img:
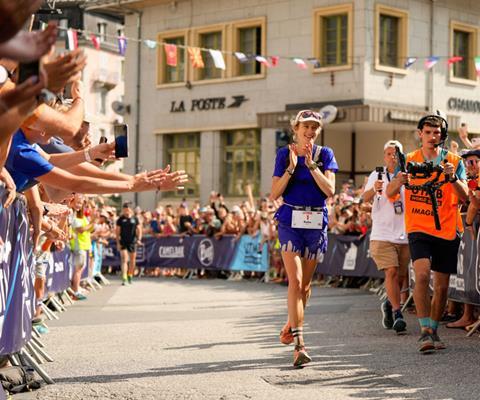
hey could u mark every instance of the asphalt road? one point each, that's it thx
(213, 339)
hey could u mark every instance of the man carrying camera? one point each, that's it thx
(433, 242)
(388, 241)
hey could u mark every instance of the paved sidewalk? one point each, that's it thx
(213, 339)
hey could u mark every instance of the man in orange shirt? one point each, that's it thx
(431, 248)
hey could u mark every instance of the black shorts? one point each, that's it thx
(130, 247)
(442, 253)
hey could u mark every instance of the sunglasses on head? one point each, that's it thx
(309, 114)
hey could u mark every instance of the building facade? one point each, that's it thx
(103, 76)
(224, 126)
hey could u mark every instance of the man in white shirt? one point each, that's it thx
(388, 240)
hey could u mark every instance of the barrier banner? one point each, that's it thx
(193, 252)
(348, 256)
(58, 271)
(465, 286)
(6, 234)
(17, 324)
(248, 257)
(111, 256)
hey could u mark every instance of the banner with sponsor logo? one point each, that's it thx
(59, 271)
(194, 252)
(348, 256)
(19, 301)
(250, 255)
(465, 286)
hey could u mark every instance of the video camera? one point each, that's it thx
(423, 170)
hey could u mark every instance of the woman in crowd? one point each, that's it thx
(304, 176)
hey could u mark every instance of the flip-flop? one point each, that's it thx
(458, 327)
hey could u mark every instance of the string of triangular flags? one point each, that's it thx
(196, 58)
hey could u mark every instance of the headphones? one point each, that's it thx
(443, 127)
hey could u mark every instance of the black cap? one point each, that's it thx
(127, 204)
(471, 153)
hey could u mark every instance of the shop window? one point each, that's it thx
(241, 162)
(183, 153)
(391, 31)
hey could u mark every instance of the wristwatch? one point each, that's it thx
(290, 172)
(312, 166)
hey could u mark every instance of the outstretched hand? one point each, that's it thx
(64, 69)
(29, 46)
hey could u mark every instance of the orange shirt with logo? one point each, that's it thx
(418, 205)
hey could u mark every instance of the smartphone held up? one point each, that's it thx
(121, 140)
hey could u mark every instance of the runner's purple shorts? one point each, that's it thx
(309, 243)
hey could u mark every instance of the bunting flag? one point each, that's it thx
(300, 63)
(314, 62)
(274, 60)
(151, 44)
(72, 39)
(95, 41)
(410, 61)
(217, 59)
(196, 57)
(477, 65)
(453, 60)
(171, 54)
(122, 45)
(262, 60)
(431, 61)
(241, 57)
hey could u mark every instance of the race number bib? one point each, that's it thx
(307, 219)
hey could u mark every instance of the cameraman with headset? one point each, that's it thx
(433, 246)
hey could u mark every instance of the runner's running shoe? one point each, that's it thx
(387, 315)
(130, 280)
(425, 343)
(286, 335)
(399, 325)
(300, 356)
(437, 342)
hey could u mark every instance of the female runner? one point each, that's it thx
(305, 177)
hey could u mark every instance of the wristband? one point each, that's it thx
(290, 172)
(87, 155)
(312, 166)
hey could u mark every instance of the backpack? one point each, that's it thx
(18, 379)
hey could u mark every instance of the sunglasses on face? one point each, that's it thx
(472, 162)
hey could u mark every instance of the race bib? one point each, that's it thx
(307, 219)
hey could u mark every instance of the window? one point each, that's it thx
(176, 74)
(210, 40)
(102, 31)
(63, 25)
(388, 40)
(391, 37)
(103, 101)
(463, 44)
(249, 39)
(245, 36)
(333, 40)
(242, 161)
(168, 74)
(183, 153)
